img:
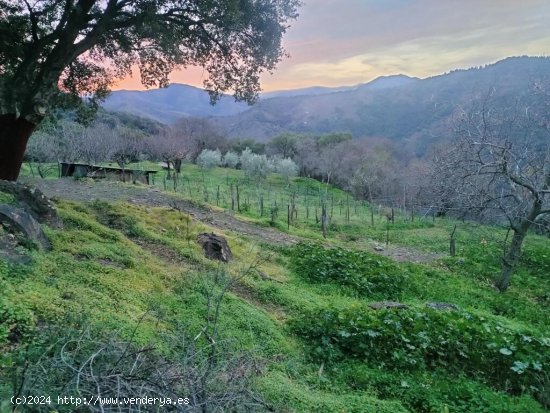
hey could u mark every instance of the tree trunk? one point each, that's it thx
(14, 135)
(511, 259)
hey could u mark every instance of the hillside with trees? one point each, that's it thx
(378, 248)
(416, 114)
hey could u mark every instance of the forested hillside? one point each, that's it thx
(416, 113)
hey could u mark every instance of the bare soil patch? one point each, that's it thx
(85, 191)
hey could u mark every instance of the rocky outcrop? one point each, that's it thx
(18, 220)
(33, 201)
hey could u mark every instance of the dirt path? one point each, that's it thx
(406, 254)
(71, 189)
(113, 191)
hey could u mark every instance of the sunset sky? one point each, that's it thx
(345, 42)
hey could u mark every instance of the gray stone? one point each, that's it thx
(33, 201)
(17, 219)
(215, 247)
(442, 306)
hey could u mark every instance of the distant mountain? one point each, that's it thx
(413, 111)
(171, 103)
(307, 91)
(388, 82)
(382, 82)
(179, 100)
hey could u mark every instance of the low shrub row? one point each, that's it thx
(428, 339)
(369, 274)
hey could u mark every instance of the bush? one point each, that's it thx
(255, 166)
(16, 323)
(208, 159)
(366, 273)
(230, 160)
(426, 339)
(76, 360)
(431, 392)
(286, 167)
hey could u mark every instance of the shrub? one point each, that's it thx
(426, 339)
(255, 166)
(78, 360)
(432, 391)
(367, 273)
(286, 167)
(208, 159)
(16, 323)
(230, 160)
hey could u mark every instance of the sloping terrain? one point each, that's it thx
(295, 328)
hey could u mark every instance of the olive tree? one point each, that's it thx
(230, 159)
(208, 159)
(52, 52)
(498, 167)
(286, 167)
(255, 166)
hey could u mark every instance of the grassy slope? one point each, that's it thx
(113, 263)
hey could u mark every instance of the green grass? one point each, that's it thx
(119, 265)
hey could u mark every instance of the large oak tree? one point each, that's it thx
(52, 52)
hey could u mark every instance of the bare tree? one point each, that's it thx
(95, 144)
(170, 148)
(127, 147)
(499, 168)
(200, 134)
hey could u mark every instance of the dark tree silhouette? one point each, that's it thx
(52, 52)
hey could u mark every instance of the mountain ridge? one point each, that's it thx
(405, 109)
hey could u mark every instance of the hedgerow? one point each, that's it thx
(366, 273)
(426, 340)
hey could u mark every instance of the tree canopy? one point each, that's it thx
(82, 46)
(54, 52)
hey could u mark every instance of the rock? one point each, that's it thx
(34, 201)
(442, 306)
(19, 220)
(378, 248)
(215, 247)
(10, 253)
(387, 304)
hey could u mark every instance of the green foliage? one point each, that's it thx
(208, 159)
(113, 262)
(431, 391)
(16, 321)
(366, 273)
(6, 198)
(285, 393)
(426, 339)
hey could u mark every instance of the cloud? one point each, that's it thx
(336, 42)
(419, 38)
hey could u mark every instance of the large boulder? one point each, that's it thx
(215, 247)
(18, 220)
